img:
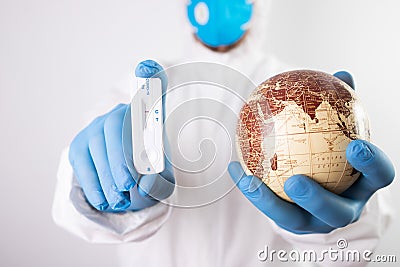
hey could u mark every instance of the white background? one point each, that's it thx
(57, 58)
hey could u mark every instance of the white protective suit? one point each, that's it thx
(229, 231)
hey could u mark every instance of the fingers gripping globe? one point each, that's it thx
(300, 122)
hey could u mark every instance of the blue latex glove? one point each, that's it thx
(317, 210)
(97, 157)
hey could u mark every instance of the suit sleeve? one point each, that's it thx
(71, 211)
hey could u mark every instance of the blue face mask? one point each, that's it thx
(219, 22)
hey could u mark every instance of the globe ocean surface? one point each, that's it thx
(300, 122)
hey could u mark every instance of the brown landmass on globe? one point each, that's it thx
(308, 90)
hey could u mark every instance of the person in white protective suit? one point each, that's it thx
(195, 212)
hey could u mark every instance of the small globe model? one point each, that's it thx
(300, 122)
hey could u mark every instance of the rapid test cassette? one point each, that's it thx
(147, 126)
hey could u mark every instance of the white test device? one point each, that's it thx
(147, 126)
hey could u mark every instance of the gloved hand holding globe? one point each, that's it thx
(298, 133)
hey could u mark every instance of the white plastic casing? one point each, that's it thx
(147, 126)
